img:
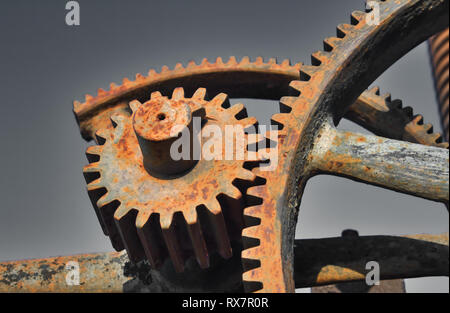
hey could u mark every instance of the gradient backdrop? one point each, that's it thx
(45, 65)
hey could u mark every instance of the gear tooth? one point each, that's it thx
(113, 86)
(106, 216)
(272, 61)
(233, 192)
(418, 120)
(222, 99)
(200, 94)
(255, 191)
(248, 121)
(76, 105)
(375, 90)
(344, 29)
(252, 280)
(356, 17)
(205, 62)
(127, 230)
(166, 220)
(329, 44)
(155, 94)
(298, 84)
(280, 119)
(218, 223)
(101, 136)
(408, 111)
(126, 81)
(236, 109)
(232, 61)
(93, 153)
(387, 97)
(288, 101)
(307, 71)
(245, 61)
(105, 199)
(149, 230)
(252, 233)
(428, 128)
(191, 64)
(88, 98)
(286, 63)
(139, 77)
(219, 61)
(246, 175)
(318, 57)
(95, 185)
(165, 69)
(213, 206)
(197, 239)
(134, 105)
(298, 66)
(178, 93)
(178, 66)
(152, 73)
(116, 118)
(253, 212)
(173, 246)
(91, 168)
(259, 60)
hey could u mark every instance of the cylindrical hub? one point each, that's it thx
(158, 123)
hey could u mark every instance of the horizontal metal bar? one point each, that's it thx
(343, 259)
(398, 165)
(317, 262)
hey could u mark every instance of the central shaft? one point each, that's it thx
(158, 123)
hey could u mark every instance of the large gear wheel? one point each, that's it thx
(326, 89)
(156, 207)
(331, 88)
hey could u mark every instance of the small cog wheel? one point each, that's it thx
(158, 208)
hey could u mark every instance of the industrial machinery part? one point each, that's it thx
(330, 260)
(439, 58)
(308, 144)
(349, 63)
(155, 206)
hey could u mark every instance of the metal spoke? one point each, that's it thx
(401, 166)
(344, 259)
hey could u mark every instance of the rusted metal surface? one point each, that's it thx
(338, 75)
(238, 79)
(397, 165)
(388, 118)
(158, 216)
(247, 79)
(102, 272)
(439, 50)
(330, 260)
(344, 259)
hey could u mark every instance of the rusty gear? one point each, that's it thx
(326, 89)
(153, 214)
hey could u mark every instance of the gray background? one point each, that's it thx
(45, 65)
